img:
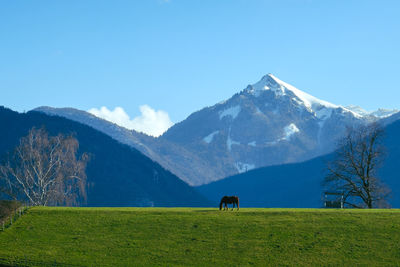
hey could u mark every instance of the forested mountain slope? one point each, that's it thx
(118, 175)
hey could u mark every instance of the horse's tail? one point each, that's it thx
(237, 199)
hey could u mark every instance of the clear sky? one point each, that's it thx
(181, 55)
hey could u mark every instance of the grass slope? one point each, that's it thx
(202, 237)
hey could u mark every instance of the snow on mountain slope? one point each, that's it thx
(268, 123)
(270, 82)
(208, 139)
(380, 113)
(384, 113)
(290, 130)
(233, 112)
(322, 109)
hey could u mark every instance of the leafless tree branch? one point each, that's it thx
(45, 170)
(353, 172)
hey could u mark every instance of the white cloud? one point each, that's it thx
(151, 122)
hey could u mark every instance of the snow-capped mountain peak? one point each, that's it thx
(281, 88)
(321, 108)
(268, 123)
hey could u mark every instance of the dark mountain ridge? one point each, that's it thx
(299, 185)
(118, 175)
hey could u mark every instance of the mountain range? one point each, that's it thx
(268, 143)
(117, 174)
(299, 185)
(268, 123)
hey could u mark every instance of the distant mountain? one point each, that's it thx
(118, 175)
(380, 113)
(268, 123)
(173, 157)
(299, 185)
(121, 134)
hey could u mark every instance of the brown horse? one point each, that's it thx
(229, 200)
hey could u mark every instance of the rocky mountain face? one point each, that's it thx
(268, 123)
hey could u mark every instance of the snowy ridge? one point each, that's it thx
(270, 82)
(308, 100)
(380, 113)
(322, 109)
(384, 113)
(357, 109)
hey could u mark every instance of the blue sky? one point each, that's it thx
(179, 55)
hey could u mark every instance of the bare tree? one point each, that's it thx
(353, 172)
(45, 170)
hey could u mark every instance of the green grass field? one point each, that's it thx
(202, 237)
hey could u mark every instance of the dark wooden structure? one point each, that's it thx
(334, 200)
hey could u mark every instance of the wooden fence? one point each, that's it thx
(9, 220)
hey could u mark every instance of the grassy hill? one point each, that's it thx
(201, 237)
